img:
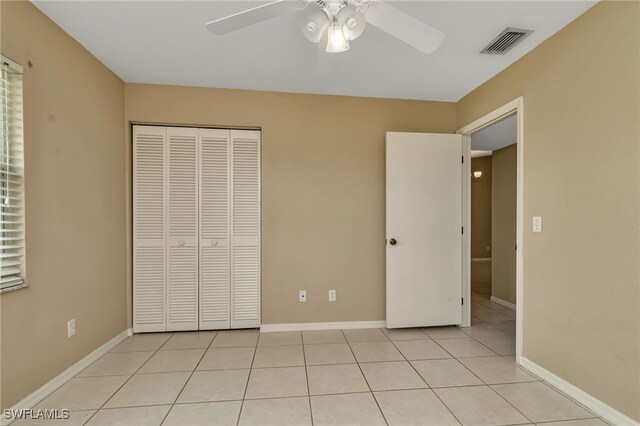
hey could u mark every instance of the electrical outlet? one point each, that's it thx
(71, 327)
(302, 296)
(537, 224)
(332, 295)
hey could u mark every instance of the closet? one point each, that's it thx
(196, 228)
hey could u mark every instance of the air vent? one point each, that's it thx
(505, 41)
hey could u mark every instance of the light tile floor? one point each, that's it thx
(430, 376)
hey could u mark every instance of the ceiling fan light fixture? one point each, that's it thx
(336, 41)
(314, 25)
(352, 23)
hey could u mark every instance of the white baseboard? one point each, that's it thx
(308, 326)
(47, 389)
(481, 259)
(601, 409)
(503, 302)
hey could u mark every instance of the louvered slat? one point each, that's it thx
(214, 183)
(246, 286)
(182, 217)
(182, 182)
(214, 288)
(245, 228)
(215, 280)
(149, 183)
(182, 312)
(149, 272)
(149, 304)
(246, 186)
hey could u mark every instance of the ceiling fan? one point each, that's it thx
(343, 20)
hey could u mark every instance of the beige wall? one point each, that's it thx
(74, 148)
(581, 93)
(323, 188)
(503, 223)
(481, 208)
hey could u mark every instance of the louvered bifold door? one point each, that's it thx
(245, 228)
(215, 275)
(182, 225)
(149, 236)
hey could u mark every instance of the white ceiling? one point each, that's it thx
(165, 42)
(498, 135)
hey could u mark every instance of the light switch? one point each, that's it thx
(537, 224)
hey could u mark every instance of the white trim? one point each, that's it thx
(589, 401)
(481, 259)
(480, 154)
(12, 65)
(515, 106)
(308, 326)
(48, 388)
(503, 302)
(466, 226)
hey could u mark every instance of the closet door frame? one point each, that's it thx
(230, 323)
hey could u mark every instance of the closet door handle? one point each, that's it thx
(214, 243)
(181, 243)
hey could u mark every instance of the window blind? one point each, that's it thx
(12, 219)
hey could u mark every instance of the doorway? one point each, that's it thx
(492, 264)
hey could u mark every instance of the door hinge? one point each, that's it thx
(463, 159)
(516, 247)
(462, 230)
(463, 301)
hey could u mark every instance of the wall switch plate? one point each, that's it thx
(537, 224)
(302, 296)
(332, 295)
(71, 327)
(488, 248)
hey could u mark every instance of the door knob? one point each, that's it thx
(181, 243)
(393, 242)
(214, 243)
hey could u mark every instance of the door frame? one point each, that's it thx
(515, 106)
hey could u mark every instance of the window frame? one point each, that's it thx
(8, 146)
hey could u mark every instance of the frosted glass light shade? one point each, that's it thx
(336, 42)
(314, 25)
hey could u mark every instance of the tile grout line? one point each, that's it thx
(189, 378)
(483, 383)
(246, 386)
(160, 350)
(306, 375)
(489, 386)
(126, 381)
(423, 379)
(537, 379)
(364, 376)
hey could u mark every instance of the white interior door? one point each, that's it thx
(423, 229)
(182, 219)
(149, 237)
(215, 275)
(245, 228)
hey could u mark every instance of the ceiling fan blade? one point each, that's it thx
(404, 27)
(251, 16)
